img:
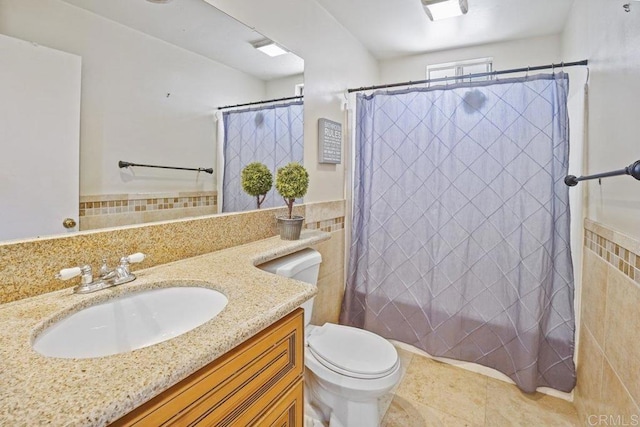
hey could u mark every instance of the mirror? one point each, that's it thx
(153, 74)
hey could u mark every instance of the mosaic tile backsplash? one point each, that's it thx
(333, 224)
(623, 259)
(112, 204)
(116, 210)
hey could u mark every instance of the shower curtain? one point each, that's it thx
(272, 135)
(460, 238)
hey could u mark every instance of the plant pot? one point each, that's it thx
(289, 228)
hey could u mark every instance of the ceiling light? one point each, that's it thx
(442, 9)
(269, 47)
(159, 1)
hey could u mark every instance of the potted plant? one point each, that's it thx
(257, 180)
(292, 182)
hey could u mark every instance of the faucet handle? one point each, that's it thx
(123, 273)
(133, 258)
(69, 273)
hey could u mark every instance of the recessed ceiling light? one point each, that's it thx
(159, 1)
(442, 9)
(269, 47)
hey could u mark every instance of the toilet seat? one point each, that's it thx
(352, 352)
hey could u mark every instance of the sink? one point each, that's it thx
(130, 322)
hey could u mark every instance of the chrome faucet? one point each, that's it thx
(107, 277)
(105, 272)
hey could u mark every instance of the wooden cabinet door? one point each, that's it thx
(288, 411)
(238, 388)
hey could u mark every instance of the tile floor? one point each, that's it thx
(432, 393)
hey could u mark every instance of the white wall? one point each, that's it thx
(143, 100)
(512, 54)
(284, 87)
(334, 61)
(601, 31)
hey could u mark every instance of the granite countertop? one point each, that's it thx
(35, 389)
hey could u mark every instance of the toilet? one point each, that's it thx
(346, 369)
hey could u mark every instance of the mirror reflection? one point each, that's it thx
(91, 83)
(271, 135)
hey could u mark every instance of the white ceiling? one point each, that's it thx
(199, 27)
(394, 28)
(387, 28)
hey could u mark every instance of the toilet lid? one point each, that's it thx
(351, 351)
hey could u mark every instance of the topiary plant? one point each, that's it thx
(257, 180)
(292, 182)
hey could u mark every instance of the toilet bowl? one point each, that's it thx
(347, 369)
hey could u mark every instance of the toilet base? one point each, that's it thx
(339, 411)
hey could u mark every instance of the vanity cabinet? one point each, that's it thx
(257, 383)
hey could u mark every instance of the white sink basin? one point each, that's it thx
(130, 322)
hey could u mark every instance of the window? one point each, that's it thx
(461, 68)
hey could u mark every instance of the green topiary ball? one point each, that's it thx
(292, 181)
(256, 179)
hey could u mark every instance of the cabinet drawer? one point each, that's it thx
(236, 388)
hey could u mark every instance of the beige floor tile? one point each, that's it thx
(445, 388)
(582, 411)
(405, 413)
(384, 404)
(405, 361)
(508, 406)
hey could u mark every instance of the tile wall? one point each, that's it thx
(608, 387)
(329, 217)
(116, 210)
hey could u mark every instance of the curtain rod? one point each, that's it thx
(266, 101)
(123, 164)
(633, 170)
(470, 76)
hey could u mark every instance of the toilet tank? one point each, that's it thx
(303, 265)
